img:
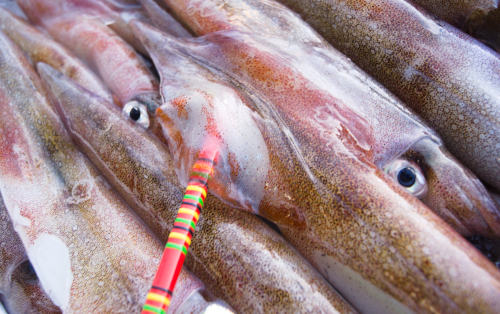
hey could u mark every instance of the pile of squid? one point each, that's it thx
(357, 166)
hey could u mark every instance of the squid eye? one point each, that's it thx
(137, 112)
(408, 176)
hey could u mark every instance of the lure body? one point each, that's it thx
(235, 254)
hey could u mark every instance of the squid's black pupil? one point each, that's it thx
(407, 177)
(135, 114)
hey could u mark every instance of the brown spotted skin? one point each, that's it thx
(353, 216)
(20, 289)
(485, 26)
(324, 83)
(116, 62)
(454, 193)
(40, 48)
(456, 12)
(51, 191)
(447, 77)
(241, 259)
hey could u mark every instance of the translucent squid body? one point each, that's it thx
(240, 258)
(89, 251)
(448, 78)
(323, 187)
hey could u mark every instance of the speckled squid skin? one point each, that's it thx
(323, 80)
(455, 193)
(119, 66)
(240, 258)
(51, 191)
(354, 219)
(40, 48)
(447, 77)
(456, 12)
(19, 286)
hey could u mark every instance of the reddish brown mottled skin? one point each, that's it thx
(322, 79)
(456, 12)
(19, 286)
(51, 191)
(240, 258)
(41, 48)
(111, 57)
(448, 184)
(356, 224)
(447, 77)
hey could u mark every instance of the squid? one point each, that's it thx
(90, 252)
(478, 18)
(20, 289)
(163, 20)
(114, 14)
(395, 138)
(457, 12)
(116, 62)
(322, 188)
(240, 258)
(447, 77)
(41, 48)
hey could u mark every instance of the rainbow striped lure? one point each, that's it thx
(160, 294)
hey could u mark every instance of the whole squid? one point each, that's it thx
(377, 244)
(240, 258)
(447, 77)
(20, 288)
(90, 252)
